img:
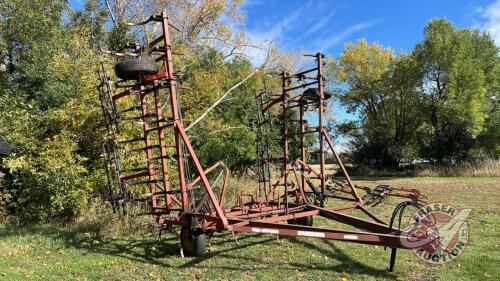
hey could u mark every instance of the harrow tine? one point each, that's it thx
(141, 139)
(143, 148)
(154, 159)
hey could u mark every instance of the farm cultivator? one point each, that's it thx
(177, 190)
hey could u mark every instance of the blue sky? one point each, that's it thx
(326, 25)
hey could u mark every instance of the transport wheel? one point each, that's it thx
(306, 221)
(193, 242)
(132, 69)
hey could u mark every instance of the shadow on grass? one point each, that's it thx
(222, 252)
(346, 263)
(149, 250)
(89, 239)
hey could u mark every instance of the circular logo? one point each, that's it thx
(437, 233)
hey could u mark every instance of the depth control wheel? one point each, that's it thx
(306, 221)
(194, 242)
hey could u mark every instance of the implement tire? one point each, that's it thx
(306, 221)
(132, 69)
(194, 243)
(312, 94)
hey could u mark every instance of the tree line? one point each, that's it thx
(438, 103)
(49, 57)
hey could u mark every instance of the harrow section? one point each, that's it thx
(156, 154)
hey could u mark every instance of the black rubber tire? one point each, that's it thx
(132, 69)
(312, 94)
(306, 221)
(4, 148)
(194, 243)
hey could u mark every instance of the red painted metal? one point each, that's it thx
(321, 88)
(149, 151)
(284, 200)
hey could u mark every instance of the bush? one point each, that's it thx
(4, 201)
(99, 221)
(47, 183)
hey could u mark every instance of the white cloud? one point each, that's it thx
(264, 37)
(294, 26)
(325, 43)
(277, 32)
(492, 15)
(318, 26)
(321, 23)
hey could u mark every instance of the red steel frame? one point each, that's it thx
(252, 216)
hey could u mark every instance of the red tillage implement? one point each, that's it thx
(177, 196)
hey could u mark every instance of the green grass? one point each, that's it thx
(56, 252)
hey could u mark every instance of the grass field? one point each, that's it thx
(56, 252)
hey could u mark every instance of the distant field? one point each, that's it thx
(54, 252)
